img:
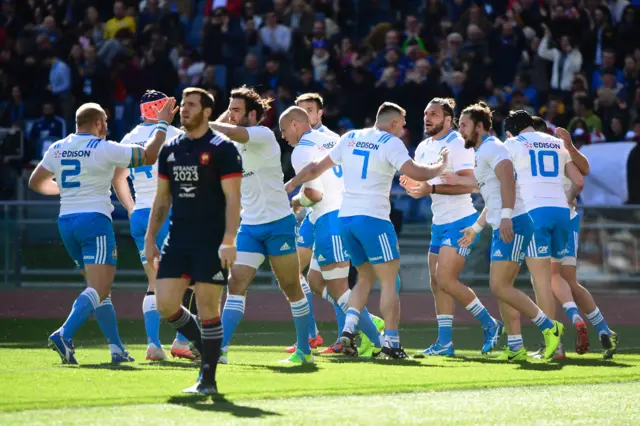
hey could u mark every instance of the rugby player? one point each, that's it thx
(564, 280)
(268, 225)
(369, 159)
(83, 166)
(512, 227)
(313, 104)
(453, 211)
(324, 196)
(144, 184)
(200, 174)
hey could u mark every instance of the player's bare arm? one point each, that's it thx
(574, 174)
(465, 179)
(238, 134)
(41, 181)
(310, 172)
(307, 197)
(467, 187)
(414, 188)
(227, 250)
(420, 172)
(159, 213)
(576, 156)
(472, 231)
(148, 154)
(505, 174)
(122, 189)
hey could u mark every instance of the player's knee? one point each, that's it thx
(444, 279)
(165, 306)
(433, 282)
(497, 288)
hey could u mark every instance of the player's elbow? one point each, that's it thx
(313, 195)
(579, 183)
(33, 183)
(149, 158)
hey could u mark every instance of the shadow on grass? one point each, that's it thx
(110, 366)
(553, 365)
(291, 369)
(380, 361)
(220, 404)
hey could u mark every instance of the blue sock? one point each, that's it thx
(515, 342)
(571, 309)
(398, 284)
(106, 317)
(445, 329)
(301, 317)
(180, 337)
(369, 328)
(392, 338)
(231, 316)
(340, 317)
(151, 319)
(478, 310)
(309, 295)
(597, 320)
(542, 321)
(82, 308)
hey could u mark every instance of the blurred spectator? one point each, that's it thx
(47, 129)
(276, 37)
(119, 21)
(567, 60)
(583, 109)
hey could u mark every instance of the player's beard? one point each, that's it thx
(193, 122)
(472, 140)
(437, 128)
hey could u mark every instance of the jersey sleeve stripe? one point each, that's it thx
(161, 176)
(137, 158)
(230, 175)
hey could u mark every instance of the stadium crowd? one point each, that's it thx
(575, 63)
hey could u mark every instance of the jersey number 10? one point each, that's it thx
(538, 166)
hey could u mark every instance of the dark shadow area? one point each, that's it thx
(291, 369)
(379, 361)
(220, 404)
(172, 364)
(550, 365)
(108, 366)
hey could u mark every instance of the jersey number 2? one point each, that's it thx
(537, 164)
(67, 173)
(365, 162)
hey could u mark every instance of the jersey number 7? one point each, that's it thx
(67, 173)
(365, 162)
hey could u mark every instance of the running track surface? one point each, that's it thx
(618, 309)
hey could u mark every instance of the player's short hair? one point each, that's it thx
(206, 98)
(480, 113)
(295, 113)
(252, 101)
(517, 121)
(89, 113)
(388, 108)
(539, 125)
(448, 105)
(311, 97)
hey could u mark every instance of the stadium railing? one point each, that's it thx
(32, 254)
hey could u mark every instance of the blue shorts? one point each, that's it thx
(305, 234)
(88, 238)
(515, 250)
(328, 248)
(571, 252)
(448, 235)
(551, 232)
(275, 238)
(369, 239)
(138, 224)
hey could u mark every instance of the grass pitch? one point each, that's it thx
(469, 389)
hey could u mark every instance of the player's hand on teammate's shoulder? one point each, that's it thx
(565, 136)
(506, 230)
(468, 238)
(168, 111)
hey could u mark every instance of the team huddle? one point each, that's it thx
(211, 206)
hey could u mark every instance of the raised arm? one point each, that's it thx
(423, 173)
(122, 189)
(238, 134)
(577, 157)
(577, 180)
(148, 154)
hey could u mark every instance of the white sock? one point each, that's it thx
(352, 319)
(343, 301)
(149, 303)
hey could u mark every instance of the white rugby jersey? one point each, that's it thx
(490, 153)
(83, 165)
(314, 146)
(369, 159)
(539, 160)
(329, 133)
(264, 199)
(448, 208)
(145, 178)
